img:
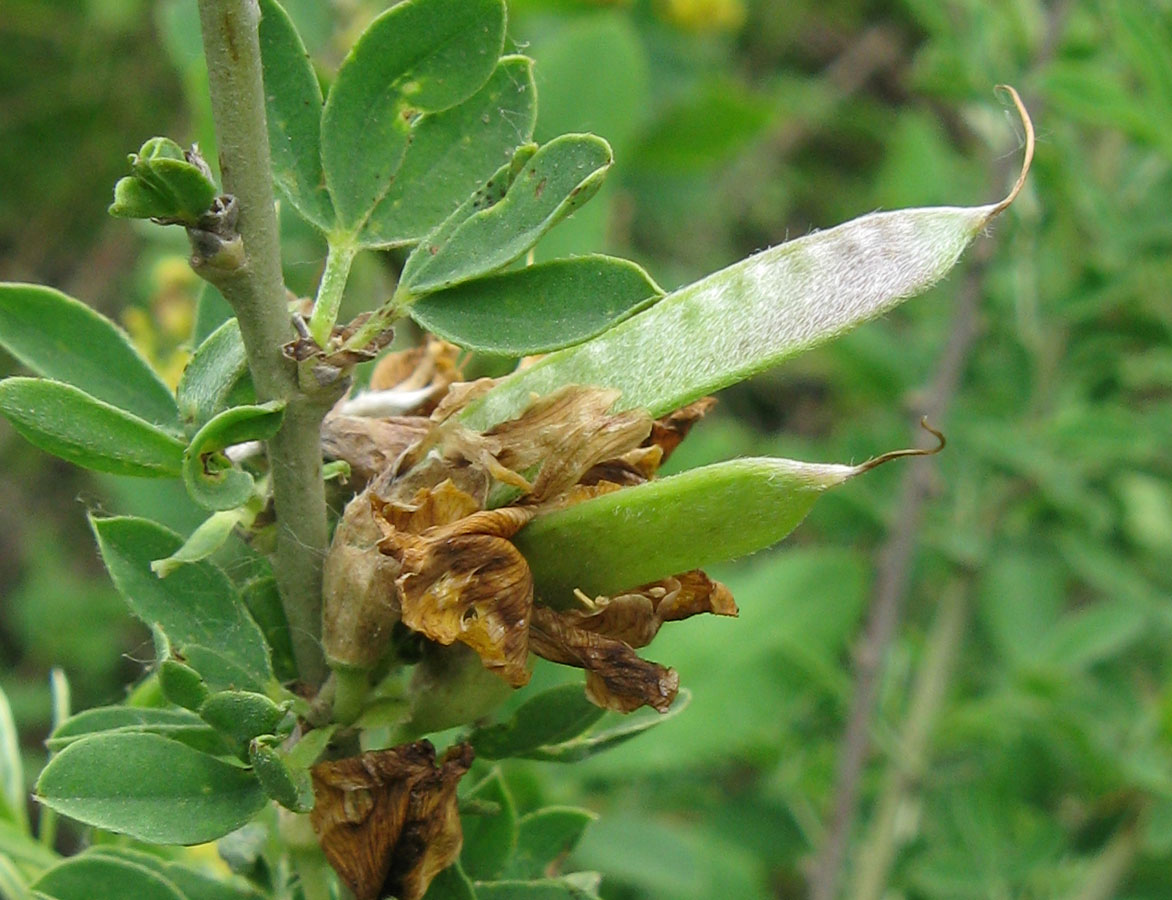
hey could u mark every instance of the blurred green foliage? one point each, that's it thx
(1023, 739)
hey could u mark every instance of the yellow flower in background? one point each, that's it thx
(162, 329)
(703, 15)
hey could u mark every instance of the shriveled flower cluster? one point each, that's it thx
(426, 542)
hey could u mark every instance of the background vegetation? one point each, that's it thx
(987, 632)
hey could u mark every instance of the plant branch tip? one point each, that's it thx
(1027, 158)
(882, 458)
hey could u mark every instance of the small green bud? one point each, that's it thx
(289, 785)
(241, 715)
(168, 184)
(182, 685)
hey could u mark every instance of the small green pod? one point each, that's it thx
(182, 685)
(641, 534)
(241, 715)
(289, 785)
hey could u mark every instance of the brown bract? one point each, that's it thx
(370, 445)
(387, 820)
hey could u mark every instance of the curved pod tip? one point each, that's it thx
(876, 461)
(1028, 156)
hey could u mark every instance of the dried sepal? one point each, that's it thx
(387, 820)
(359, 599)
(635, 617)
(370, 445)
(466, 582)
(617, 678)
(668, 432)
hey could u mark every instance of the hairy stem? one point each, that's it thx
(256, 291)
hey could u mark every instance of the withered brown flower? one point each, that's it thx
(387, 820)
(456, 576)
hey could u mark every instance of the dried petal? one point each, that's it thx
(633, 467)
(387, 820)
(441, 505)
(466, 582)
(635, 617)
(616, 677)
(568, 433)
(669, 431)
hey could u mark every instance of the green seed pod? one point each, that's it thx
(182, 685)
(241, 715)
(641, 534)
(758, 312)
(289, 785)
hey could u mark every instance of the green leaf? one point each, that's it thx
(556, 180)
(212, 480)
(209, 537)
(211, 311)
(293, 109)
(150, 788)
(264, 604)
(551, 717)
(63, 339)
(451, 884)
(12, 882)
(657, 529)
(452, 153)
(194, 885)
(419, 56)
(20, 847)
(241, 715)
(696, 133)
(1021, 596)
(752, 315)
(175, 724)
(197, 606)
(538, 308)
(221, 668)
(579, 886)
(12, 793)
(164, 185)
(1091, 635)
(489, 839)
(545, 836)
(96, 877)
(625, 728)
(64, 421)
(216, 374)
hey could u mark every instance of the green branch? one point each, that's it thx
(252, 283)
